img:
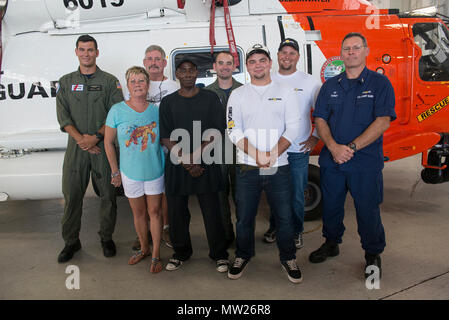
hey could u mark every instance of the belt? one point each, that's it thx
(245, 167)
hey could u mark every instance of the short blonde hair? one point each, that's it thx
(135, 71)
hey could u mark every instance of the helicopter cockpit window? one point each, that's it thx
(433, 39)
(204, 60)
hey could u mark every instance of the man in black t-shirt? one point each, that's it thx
(191, 111)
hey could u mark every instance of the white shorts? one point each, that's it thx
(136, 189)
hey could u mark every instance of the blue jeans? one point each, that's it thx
(299, 170)
(278, 189)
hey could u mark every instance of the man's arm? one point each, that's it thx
(310, 143)
(115, 93)
(341, 153)
(83, 142)
(73, 132)
(262, 158)
(278, 149)
(292, 118)
(373, 132)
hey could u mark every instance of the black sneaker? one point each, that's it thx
(109, 249)
(373, 260)
(236, 270)
(328, 249)
(293, 272)
(269, 236)
(68, 251)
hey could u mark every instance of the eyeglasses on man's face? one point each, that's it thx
(353, 48)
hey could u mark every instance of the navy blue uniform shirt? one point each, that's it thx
(349, 106)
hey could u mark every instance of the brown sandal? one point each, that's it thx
(138, 256)
(156, 265)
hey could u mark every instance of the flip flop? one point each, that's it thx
(138, 256)
(156, 265)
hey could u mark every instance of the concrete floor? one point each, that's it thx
(415, 261)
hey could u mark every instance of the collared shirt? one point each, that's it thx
(262, 114)
(222, 94)
(350, 106)
(84, 102)
(306, 88)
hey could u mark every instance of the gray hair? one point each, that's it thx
(155, 47)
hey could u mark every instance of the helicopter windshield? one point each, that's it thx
(433, 39)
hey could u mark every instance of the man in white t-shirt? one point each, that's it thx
(306, 88)
(263, 121)
(155, 63)
(160, 86)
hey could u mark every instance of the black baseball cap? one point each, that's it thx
(185, 59)
(289, 42)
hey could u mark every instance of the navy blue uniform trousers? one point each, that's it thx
(366, 189)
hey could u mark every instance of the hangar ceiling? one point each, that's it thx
(408, 5)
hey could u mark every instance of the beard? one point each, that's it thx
(286, 68)
(259, 76)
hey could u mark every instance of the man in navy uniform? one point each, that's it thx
(352, 112)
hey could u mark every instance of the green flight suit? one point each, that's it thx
(84, 102)
(227, 170)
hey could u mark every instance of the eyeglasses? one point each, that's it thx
(156, 59)
(353, 48)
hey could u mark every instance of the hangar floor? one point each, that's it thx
(415, 261)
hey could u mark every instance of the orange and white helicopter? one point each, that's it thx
(38, 39)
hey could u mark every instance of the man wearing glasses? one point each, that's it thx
(160, 86)
(352, 112)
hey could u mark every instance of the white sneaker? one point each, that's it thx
(299, 242)
(222, 265)
(173, 264)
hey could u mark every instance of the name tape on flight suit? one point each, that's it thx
(432, 110)
(95, 87)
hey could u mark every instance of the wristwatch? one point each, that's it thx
(352, 146)
(99, 136)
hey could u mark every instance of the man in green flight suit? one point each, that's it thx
(224, 67)
(82, 103)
